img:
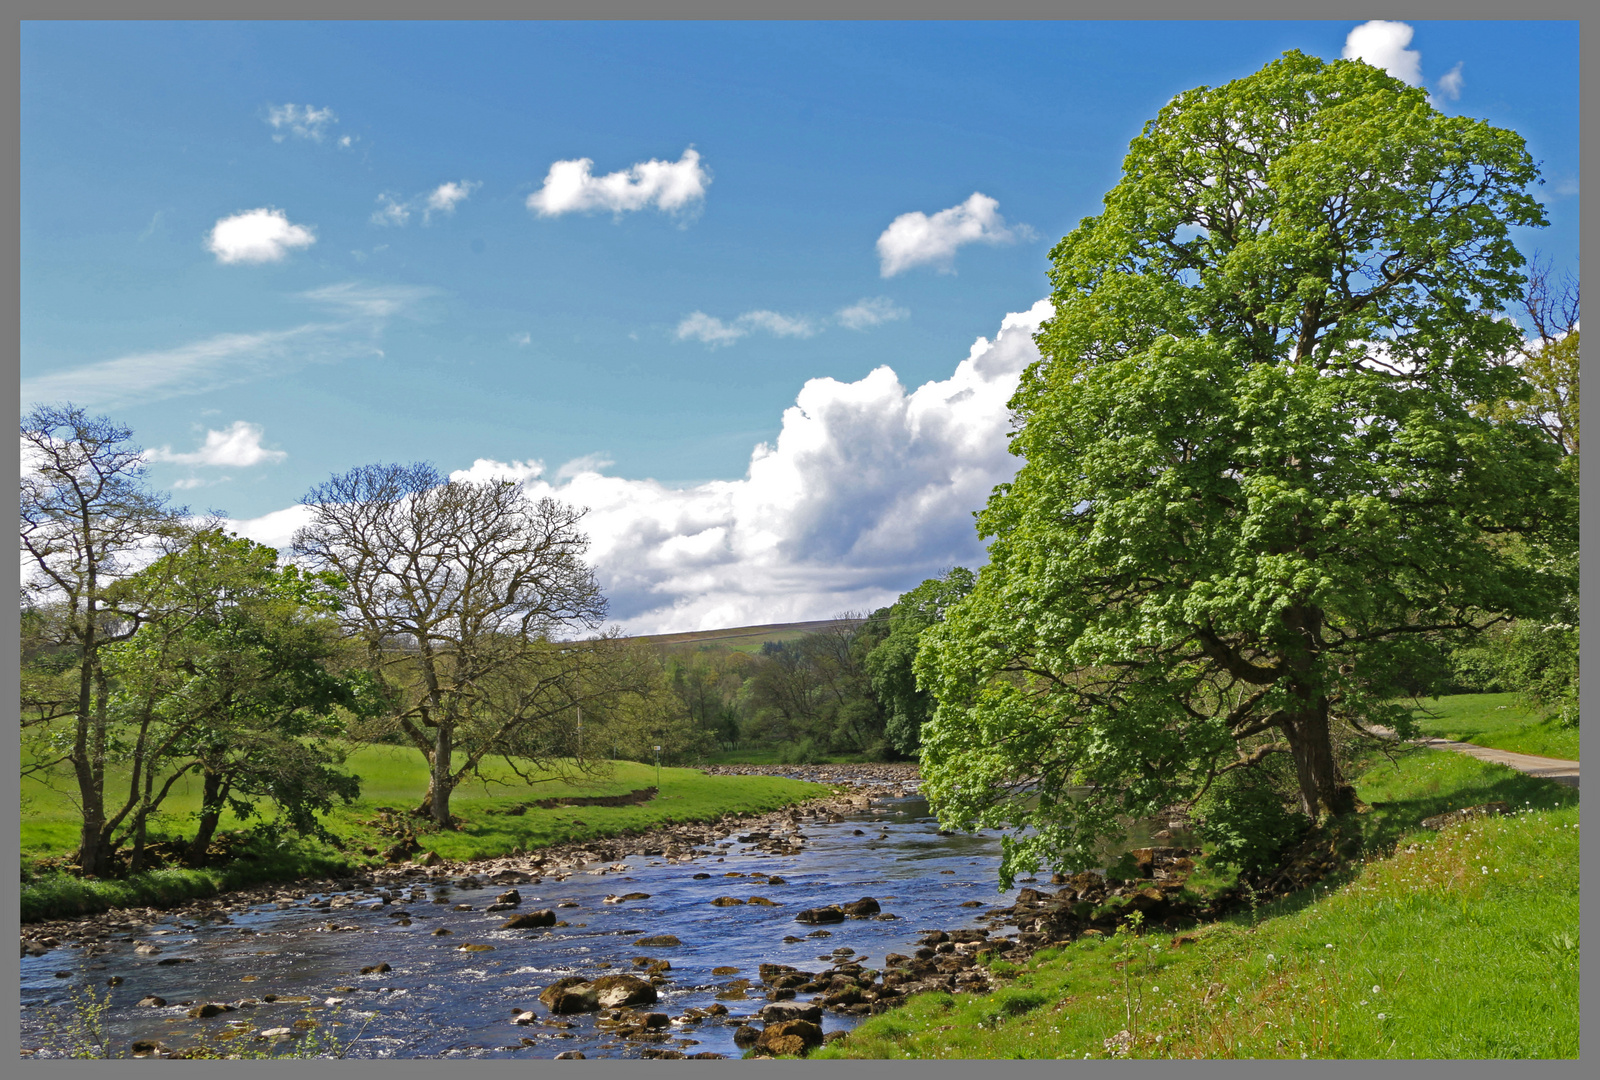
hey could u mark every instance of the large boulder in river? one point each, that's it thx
(830, 914)
(571, 995)
(862, 908)
(791, 1038)
(615, 991)
(530, 919)
(791, 1010)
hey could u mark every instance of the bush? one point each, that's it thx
(1245, 821)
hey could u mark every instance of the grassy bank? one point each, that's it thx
(1457, 944)
(396, 779)
(1498, 720)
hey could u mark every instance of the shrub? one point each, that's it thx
(1245, 821)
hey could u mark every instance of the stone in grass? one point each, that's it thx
(1487, 809)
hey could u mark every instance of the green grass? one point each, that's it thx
(396, 778)
(1458, 944)
(1501, 721)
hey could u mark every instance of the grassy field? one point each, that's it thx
(746, 639)
(1457, 944)
(1497, 720)
(395, 778)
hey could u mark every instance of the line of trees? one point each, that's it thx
(454, 617)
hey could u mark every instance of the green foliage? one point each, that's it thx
(1237, 518)
(890, 663)
(1244, 821)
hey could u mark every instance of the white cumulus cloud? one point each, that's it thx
(238, 445)
(916, 239)
(672, 186)
(869, 312)
(1382, 44)
(257, 236)
(302, 121)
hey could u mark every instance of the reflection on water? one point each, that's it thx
(438, 1000)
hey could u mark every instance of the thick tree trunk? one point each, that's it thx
(1322, 789)
(210, 814)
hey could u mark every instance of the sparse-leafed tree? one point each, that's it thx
(85, 519)
(1257, 482)
(460, 590)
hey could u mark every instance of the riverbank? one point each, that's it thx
(1459, 941)
(498, 821)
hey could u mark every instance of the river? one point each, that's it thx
(436, 1000)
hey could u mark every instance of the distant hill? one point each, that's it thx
(747, 638)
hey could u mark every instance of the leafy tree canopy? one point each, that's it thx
(1259, 487)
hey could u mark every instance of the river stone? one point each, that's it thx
(376, 969)
(831, 914)
(530, 919)
(791, 1010)
(513, 897)
(210, 1008)
(789, 1037)
(147, 950)
(865, 906)
(664, 941)
(525, 1018)
(443, 930)
(570, 994)
(470, 947)
(570, 1055)
(726, 901)
(150, 1001)
(762, 901)
(614, 991)
(745, 1035)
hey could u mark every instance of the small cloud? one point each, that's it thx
(302, 121)
(523, 338)
(390, 211)
(1567, 186)
(346, 141)
(257, 236)
(672, 186)
(1383, 45)
(699, 326)
(238, 445)
(869, 312)
(187, 482)
(443, 199)
(150, 230)
(1450, 83)
(915, 239)
(588, 463)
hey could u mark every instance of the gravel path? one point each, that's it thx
(1557, 769)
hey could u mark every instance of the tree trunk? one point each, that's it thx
(1322, 789)
(437, 804)
(210, 813)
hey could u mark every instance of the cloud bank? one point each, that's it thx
(670, 186)
(257, 236)
(868, 489)
(915, 239)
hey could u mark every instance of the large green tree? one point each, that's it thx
(1257, 486)
(889, 663)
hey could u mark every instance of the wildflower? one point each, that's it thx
(1375, 990)
(1383, 1016)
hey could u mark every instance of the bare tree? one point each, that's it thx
(460, 590)
(85, 515)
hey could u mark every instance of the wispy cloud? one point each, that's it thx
(1450, 83)
(869, 312)
(672, 186)
(916, 239)
(301, 121)
(698, 326)
(236, 446)
(444, 199)
(523, 338)
(257, 236)
(228, 359)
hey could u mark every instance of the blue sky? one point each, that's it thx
(281, 250)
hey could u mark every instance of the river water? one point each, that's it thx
(439, 1001)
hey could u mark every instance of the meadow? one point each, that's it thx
(1502, 721)
(1462, 943)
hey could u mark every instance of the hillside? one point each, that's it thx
(746, 638)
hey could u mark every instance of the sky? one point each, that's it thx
(755, 294)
